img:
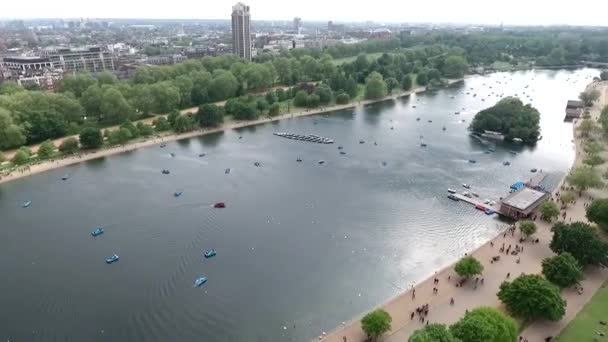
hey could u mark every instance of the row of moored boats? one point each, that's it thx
(308, 137)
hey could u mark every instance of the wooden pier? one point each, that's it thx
(475, 201)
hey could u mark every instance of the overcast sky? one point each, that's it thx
(510, 12)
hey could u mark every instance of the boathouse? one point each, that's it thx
(574, 109)
(520, 204)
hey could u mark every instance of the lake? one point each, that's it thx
(300, 246)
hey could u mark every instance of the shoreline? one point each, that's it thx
(50, 164)
(400, 305)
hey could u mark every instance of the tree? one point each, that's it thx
(485, 324)
(604, 75)
(144, 130)
(11, 135)
(114, 107)
(455, 67)
(422, 77)
(91, 138)
(209, 115)
(511, 118)
(223, 86)
(271, 97)
(391, 83)
(274, 109)
(588, 97)
(2, 157)
(91, 100)
(593, 147)
(20, 157)
(262, 105)
(597, 213)
(166, 97)
(106, 77)
(433, 333)
(468, 267)
(342, 98)
(376, 323)
(46, 149)
(69, 145)
(361, 63)
(161, 124)
(563, 270)
(184, 123)
(77, 84)
(581, 241)
(532, 297)
(173, 115)
(301, 99)
(527, 228)
(584, 177)
(324, 93)
(375, 87)
(132, 128)
(120, 136)
(406, 82)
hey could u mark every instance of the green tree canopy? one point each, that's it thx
(527, 228)
(376, 323)
(114, 107)
(144, 130)
(455, 67)
(91, 138)
(563, 270)
(433, 333)
(184, 123)
(584, 177)
(342, 98)
(120, 136)
(46, 149)
(391, 83)
(549, 210)
(11, 135)
(588, 97)
(406, 82)
(375, 87)
(604, 75)
(274, 109)
(597, 212)
(485, 324)
(161, 124)
(210, 115)
(532, 297)
(594, 160)
(422, 77)
(586, 127)
(511, 118)
(77, 84)
(468, 267)
(69, 145)
(581, 241)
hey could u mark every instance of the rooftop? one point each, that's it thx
(523, 198)
(575, 104)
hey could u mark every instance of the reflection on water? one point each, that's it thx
(297, 241)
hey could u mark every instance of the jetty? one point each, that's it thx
(478, 203)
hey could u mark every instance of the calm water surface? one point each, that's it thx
(301, 246)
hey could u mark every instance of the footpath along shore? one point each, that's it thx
(473, 294)
(50, 164)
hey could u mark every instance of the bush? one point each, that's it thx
(69, 145)
(131, 127)
(120, 136)
(161, 124)
(563, 270)
(144, 130)
(531, 297)
(313, 101)
(46, 149)
(376, 323)
(342, 98)
(21, 157)
(210, 115)
(301, 99)
(468, 267)
(184, 123)
(91, 138)
(406, 82)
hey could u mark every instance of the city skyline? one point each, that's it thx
(518, 12)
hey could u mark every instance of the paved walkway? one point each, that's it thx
(473, 294)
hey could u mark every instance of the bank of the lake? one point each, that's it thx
(301, 246)
(163, 137)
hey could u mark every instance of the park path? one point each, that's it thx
(470, 296)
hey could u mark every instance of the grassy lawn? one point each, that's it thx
(586, 323)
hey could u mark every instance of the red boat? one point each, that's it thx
(219, 205)
(480, 207)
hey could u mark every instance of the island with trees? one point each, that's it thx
(511, 118)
